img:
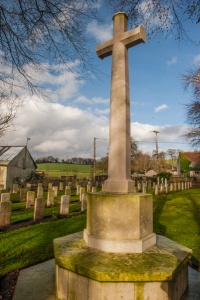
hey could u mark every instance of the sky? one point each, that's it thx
(79, 111)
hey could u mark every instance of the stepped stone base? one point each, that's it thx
(85, 273)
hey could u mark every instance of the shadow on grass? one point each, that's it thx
(158, 208)
(196, 217)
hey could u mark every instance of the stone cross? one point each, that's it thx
(119, 166)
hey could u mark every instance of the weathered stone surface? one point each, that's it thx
(30, 199)
(50, 197)
(39, 209)
(67, 190)
(5, 197)
(39, 191)
(159, 273)
(5, 213)
(64, 207)
(119, 222)
(119, 166)
(84, 202)
(23, 193)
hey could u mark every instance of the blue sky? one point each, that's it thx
(79, 112)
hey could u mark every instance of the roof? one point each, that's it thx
(7, 153)
(192, 156)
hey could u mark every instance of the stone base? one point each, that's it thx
(84, 273)
(120, 246)
(119, 222)
(119, 186)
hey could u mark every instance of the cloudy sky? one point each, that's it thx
(79, 110)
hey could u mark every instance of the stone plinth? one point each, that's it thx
(119, 222)
(84, 273)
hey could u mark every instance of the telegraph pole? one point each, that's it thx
(94, 165)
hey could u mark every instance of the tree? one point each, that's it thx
(134, 148)
(39, 37)
(8, 109)
(160, 16)
(192, 80)
(141, 162)
(33, 34)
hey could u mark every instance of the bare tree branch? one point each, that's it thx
(192, 81)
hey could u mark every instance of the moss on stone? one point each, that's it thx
(159, 263)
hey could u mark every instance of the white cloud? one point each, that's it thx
(102, 111)
(161, 107)
(172, 61)
(101, 33)
(64, 131)
(92, 101)
(169, 137)
(58, 130)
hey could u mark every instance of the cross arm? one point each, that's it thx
(134, 37)
(104, 49)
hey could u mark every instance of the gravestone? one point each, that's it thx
(89, 187)
(30, 199)
(64, 206)
(55, 189)
(5, 197)
(15, 188)
(5, 213)
(39, 209)
(78, 189)
(84, 202)
(50, 197)
(61, 186)
(117, 256)
(50, 186)
(94, 189)
(22, 194)
(156, 189)
(67, 190)
(82, 190)
(39, 191)
(28, 186)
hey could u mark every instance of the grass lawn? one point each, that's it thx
(176, 216)
(61, 169)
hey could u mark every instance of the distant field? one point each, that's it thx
(60, 169)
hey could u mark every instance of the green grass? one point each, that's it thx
(33, 244)
(176, 216)
(60, 169)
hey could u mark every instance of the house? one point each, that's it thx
(189, 163)
(15, 162)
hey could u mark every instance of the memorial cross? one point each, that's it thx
(119, 163)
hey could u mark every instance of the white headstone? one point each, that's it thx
(5, 213)
(39, 209)
(84, 201)
(50, 197)
(64, 207)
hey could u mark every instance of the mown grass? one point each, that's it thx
(176, 216)
(60, 169)
(33, 244)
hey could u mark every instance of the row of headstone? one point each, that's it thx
(61, 186)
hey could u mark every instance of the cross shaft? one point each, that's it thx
(119, 163)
